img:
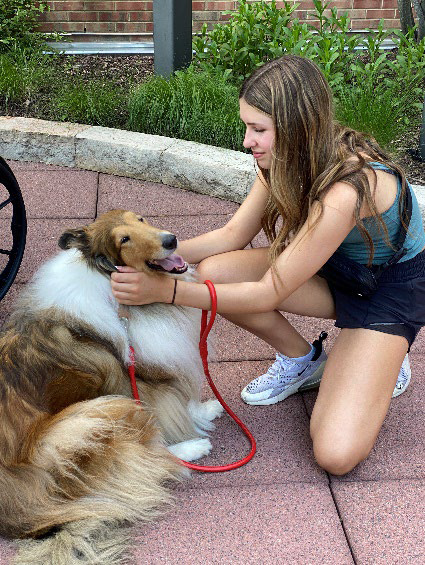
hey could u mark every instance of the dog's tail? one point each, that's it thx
(95, 468)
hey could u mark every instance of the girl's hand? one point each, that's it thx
(132, 287)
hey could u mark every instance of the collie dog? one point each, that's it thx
(79, 459)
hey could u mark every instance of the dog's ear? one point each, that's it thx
(104, 264)
(73, 238)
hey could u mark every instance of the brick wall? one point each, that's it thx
(98, 16)
(131, 16)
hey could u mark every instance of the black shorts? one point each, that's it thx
(397, 307)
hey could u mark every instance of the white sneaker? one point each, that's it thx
(403, 380)
(285, 377)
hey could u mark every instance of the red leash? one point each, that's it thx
(132, 375)
(203, 350)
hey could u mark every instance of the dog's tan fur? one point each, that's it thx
(76, 455)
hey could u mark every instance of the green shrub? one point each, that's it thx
(13, 83)
(410, 58)
(260, 31)
(383, 92)
(371, 83)
(334, 47)
(18, 24)
(23, 73)
(386, 111)
(194, 106)
(257, 32)
(95, 103)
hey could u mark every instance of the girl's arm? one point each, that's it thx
(309, 250)
(236, 234)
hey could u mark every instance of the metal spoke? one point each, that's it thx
(5, 203)
(12, 257)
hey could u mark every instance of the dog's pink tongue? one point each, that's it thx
(173, 261)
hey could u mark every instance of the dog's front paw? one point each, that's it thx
(211, 409)
(203, 413)
(192, 449)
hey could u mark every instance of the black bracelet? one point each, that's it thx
(174, 293)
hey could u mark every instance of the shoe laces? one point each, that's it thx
(276, 372)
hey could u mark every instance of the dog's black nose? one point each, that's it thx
(169, 241)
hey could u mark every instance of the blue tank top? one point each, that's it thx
(355, 247)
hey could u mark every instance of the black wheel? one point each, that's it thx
(12, 244)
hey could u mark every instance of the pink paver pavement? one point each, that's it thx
(281, 507)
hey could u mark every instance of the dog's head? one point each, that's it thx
(120, 237)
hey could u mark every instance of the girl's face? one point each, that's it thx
(259, 135)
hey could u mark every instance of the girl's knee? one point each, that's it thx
(211, 269)
(339, 458)
(234, 266)
(206, 270)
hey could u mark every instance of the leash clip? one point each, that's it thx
(123, 315)
(124, 321)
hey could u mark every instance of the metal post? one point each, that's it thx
(172, 34)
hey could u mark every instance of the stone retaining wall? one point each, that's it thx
(188, 165)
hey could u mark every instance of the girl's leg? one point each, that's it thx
(311, 299)
(354, 397)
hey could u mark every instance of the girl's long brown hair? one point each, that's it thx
(311, 151)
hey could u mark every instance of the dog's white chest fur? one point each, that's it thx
(160, 334)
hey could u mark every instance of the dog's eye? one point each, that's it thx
(125, 239)
(141, 220)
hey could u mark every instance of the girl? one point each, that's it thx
(331, 189)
